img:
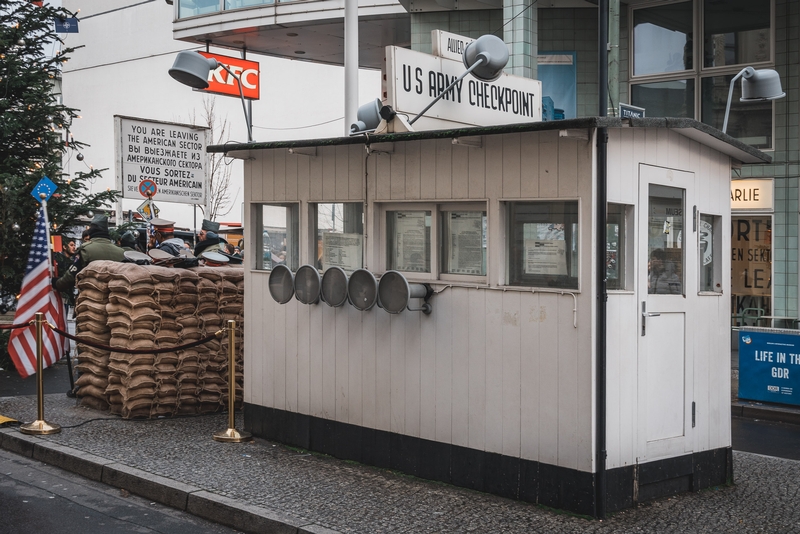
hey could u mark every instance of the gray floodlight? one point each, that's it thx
(281, 284)
(362, 288)
(191, 68)
(307, 284)
(394, 292)
(368, 118)
(334, 287)
(757, 86)
(485, 58)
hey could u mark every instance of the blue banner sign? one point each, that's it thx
(769, 366)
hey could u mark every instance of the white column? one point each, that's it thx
(350, 63)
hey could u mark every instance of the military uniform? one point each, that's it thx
(97, 248)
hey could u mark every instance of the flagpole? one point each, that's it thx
(47, 234)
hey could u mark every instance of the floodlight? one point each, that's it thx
(394, 292)
(307, 284)
(485, 58)
(334, 287)
(368, 118)
(757, 86)
(281, 284)
(362, 288)
(191, 68)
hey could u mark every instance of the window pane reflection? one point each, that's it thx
(750, 122)
(662, 39)
(736, 32)
(674, 98)
(665, 240)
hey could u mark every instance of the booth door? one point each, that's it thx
(666, 264)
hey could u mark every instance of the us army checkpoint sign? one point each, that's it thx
(171, 156)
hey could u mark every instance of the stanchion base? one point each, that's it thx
(232, 436)
(40, 427)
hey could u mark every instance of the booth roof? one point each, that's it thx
(698, 131)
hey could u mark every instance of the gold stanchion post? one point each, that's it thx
(40, 426)
(232, 435)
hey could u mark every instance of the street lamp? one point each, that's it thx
(192, 68)
(757, 85)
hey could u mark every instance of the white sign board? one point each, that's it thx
(414, 79)
(752, 194)
(449, 45)
(161, 160)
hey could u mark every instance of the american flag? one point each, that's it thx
(37, 295)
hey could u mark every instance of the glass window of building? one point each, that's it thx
(191, 8)
(464, 242)
(751, 265)
(408, 234)
(543, 244)
(710, 253)
(662, 39)
(618, 246)
(279, 227)
(668, 82)
(338, 235)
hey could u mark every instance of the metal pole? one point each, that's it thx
(231, 435)
(40, 426)
(350, 64)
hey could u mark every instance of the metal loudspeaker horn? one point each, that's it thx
(368, 117)
(281, 284)
(394, 292)
(362, 289)
(307, 284)
(334, 287)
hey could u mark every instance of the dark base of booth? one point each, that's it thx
(506, 476)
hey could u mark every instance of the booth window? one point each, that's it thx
(408, 235)
(279, 227)
(338, 235)
(463, 242)
(618, 246)
(678, 73)
(543, 244)
(710, 253)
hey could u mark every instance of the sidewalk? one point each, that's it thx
(266, 487)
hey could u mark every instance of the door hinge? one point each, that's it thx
(693, 412)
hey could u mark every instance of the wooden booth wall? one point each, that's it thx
(708, 334)
(493, 368)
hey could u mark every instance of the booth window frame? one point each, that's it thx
(515, 250)
(291, 229)
(706, 75)
(437, 254)
(315, 238)
(709, 280)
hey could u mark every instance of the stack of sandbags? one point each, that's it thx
(134, 317)
(91, 324)
(149, 308)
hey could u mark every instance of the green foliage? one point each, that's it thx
(32, 136)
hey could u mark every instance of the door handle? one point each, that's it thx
(645, 315)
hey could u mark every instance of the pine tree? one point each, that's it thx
(32, 140)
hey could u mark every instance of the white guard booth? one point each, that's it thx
(484, 373)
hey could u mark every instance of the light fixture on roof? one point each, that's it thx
(191, 68)
(485, 58)
(757, 86)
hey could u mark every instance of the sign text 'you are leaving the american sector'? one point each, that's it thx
(172, 156)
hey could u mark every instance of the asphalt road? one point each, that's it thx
(35, 498)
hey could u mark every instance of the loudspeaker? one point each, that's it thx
(334, 287)
(307, 284)
(281, 284)
(362, 288)
(394, 292)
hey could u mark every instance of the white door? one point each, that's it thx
(666, 274)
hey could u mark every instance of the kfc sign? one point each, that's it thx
(221, 82)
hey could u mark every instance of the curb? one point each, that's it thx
(193, 500)
(752, 410)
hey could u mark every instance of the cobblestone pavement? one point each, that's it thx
(349, 497)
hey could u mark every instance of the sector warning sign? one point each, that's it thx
(167, 160)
